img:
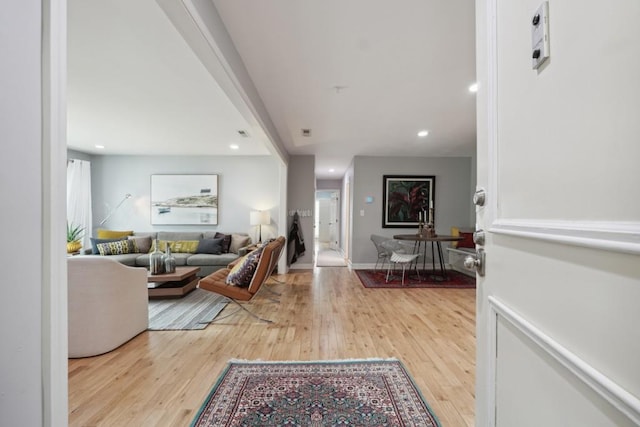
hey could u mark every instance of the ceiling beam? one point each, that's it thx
(202, 28)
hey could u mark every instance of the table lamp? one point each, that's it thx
(259, 218)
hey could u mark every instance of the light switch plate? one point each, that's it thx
(540, 35)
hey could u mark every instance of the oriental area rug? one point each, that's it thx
(377, 279)
(324, 393)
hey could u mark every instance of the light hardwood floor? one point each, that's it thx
(161, 378)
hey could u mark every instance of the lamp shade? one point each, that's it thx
(259, 218)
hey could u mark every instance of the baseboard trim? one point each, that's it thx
(619, 398)
(303, 266)
(362, 266)
(371, 266)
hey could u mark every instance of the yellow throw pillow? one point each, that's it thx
(184, 246)
(455, 232)
(177, 246)
(162, 244)
(112, 234)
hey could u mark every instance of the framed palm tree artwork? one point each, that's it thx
(406, 200)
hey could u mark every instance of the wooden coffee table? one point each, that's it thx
(177, 284)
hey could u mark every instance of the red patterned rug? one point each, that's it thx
(376, 279)
(331, 393)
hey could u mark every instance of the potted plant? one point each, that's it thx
(74, 234)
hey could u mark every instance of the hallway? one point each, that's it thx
(327, 257)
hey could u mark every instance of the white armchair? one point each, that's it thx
(401, 252)
(108, 304)
(383, 253)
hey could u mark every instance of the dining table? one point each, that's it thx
(421, 240)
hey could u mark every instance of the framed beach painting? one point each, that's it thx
(184, 199)
(406, 200)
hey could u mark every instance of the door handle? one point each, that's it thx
(479, 197)
(476, 263)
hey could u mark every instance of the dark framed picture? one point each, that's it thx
(184, 199)
(406, 200)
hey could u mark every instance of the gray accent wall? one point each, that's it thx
(245, 183)
(453, 206)
(301, 184)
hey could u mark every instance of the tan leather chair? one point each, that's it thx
(108, 304)
(216, 282)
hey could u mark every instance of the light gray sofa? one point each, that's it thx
(208, 263)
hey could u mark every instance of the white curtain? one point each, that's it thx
(79, 197)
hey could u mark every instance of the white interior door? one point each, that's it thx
(334, 203)
(323, 220)
(558, 153)
(347, 220)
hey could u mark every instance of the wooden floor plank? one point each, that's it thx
(161, 378)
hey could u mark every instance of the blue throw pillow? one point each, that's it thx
(95, 242)
(209, 246)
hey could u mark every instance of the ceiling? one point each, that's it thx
(363, 75)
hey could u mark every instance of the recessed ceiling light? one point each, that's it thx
(473, 88)
(423, 133)
(234, 146)
(100, 147)
(332, 170)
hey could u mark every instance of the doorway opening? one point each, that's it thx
(326, 230)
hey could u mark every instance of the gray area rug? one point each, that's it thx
(194, 311)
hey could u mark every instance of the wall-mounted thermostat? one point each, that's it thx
(540, 35)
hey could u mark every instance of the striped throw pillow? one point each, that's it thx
(117, 248)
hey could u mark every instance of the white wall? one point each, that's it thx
(73, 154)
(452, 201)
(21, 361)
(245, 183)
(203, 29)
(328, 184)
(346, 236)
